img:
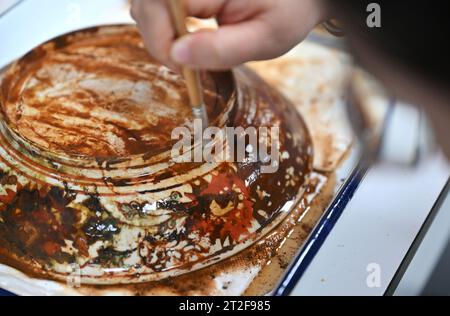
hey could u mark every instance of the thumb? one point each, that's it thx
(225, 48)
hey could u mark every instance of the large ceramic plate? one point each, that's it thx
(322, 161)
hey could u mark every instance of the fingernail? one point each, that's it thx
(181, 53)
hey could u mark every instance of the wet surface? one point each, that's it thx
(120, 209)
(99, 96)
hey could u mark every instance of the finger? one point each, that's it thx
(204, 8)
(154, 22)
(227, 47)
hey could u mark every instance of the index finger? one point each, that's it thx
(155, 25)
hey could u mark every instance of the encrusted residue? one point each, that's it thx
(88, 184)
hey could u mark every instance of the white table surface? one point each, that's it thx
(380, 222)
(428, 254)
(377, 227)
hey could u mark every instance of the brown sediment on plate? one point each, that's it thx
(315, 80)
(255, 270)
(100, 97)
(85, 198)
(271, 255)
(270, 275)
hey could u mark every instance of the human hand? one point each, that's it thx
(249, 30)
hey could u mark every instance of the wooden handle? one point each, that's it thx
(178, 11)
(192, 77)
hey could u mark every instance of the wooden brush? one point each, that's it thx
(192, 77)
